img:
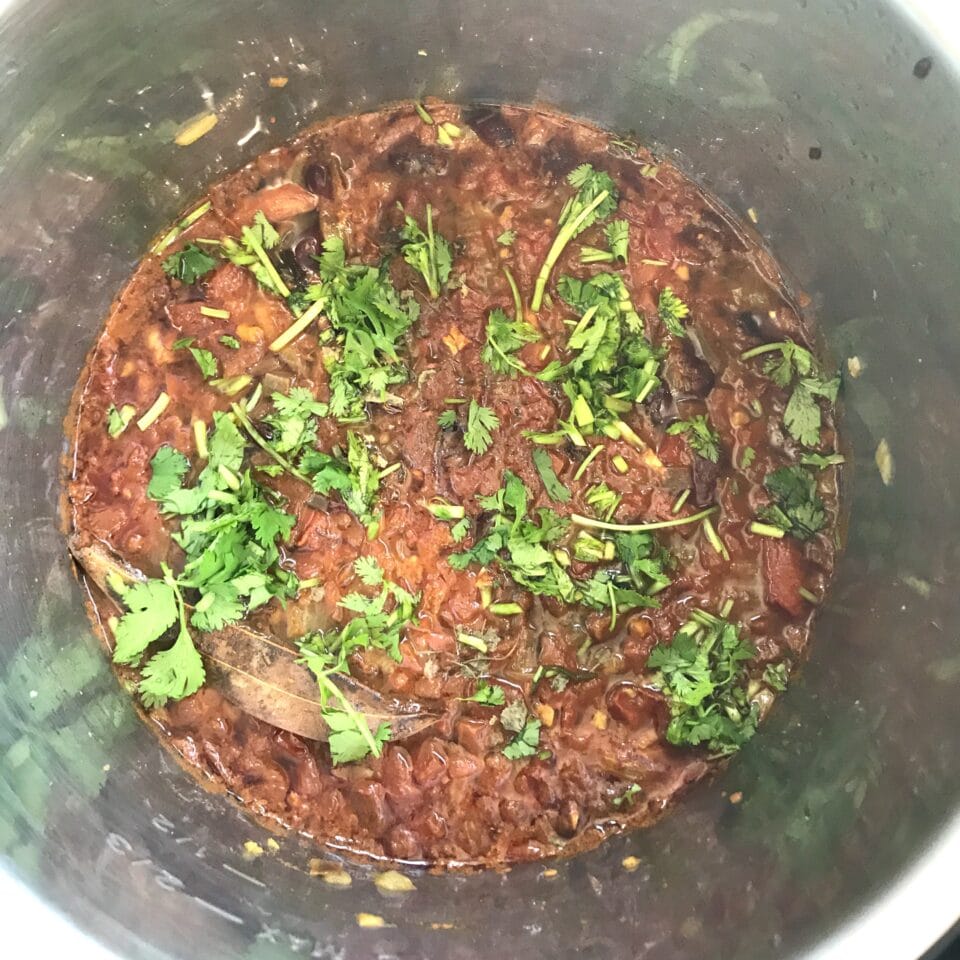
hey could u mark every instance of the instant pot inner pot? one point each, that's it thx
(825, 120)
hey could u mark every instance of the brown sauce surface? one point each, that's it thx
(449, 795)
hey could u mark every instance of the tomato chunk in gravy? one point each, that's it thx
(492, 449)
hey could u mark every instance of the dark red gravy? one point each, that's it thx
(449, 795)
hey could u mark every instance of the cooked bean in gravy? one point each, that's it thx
(455, 486)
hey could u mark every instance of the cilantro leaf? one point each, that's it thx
(460, 530)
(702, 673)
(447, 419)
(700, 435)
(507, 238)
(596, 198)
(796, 507)
(354, 478)
(747, 457)
(556, 491)
(504, 338)
(347, 742)
(487, 695)
(427, 252)
(119, 420)
(152, 610)
(369, 571)
(228, 341)
(172, 674)
(293, 422)
(206, 361)
(168, 466)
(672, 310)
(189, 264)
(480, 421)
(617, 233)
(802, 416)
(627, 797)
(252, 252)
(525, 742)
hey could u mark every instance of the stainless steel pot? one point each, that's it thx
(836, 122)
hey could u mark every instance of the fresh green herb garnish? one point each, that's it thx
(293, 422)
(480, 421)
(596, 198)
(206, 361)
(672, 311)
(515, 719)
(379, 623)
(617, 233)
(702, 673)
(775, 676)
(119, 420)
(627, 797)
(526, 550)
(368, 319)
(354, 477)
(700, 435)
(747, 457)
(251, 251)
(229, 526)
(504, 338)
(189, 264)
(821, 461)
(447, 419)
(427, 252)
(451, 513)
(232, 342)
(507, 238)
(796, 507)
(613, 365)
(487, 695)
(556, 491)
(802, 416)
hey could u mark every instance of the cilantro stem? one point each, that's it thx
(763, 348)
(251, 240)
(515, 290)
(433, 275)
(200, 436)
(591, 456)
(808, 595)
(422, 112)
(505, 609)
(255, 436)
(327, 687)
(187, 221)
(714, 538)
(680, 501)
(155, 411)
(766, 530)
(251, 402)
(582, 521)
(215, 313)
(299, 325)
(564, 236)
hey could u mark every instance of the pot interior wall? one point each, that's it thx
(811, 113)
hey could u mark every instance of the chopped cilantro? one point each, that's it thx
(504, 338)
(487, 695)
(447, 419)
(525, 742)
(556, 491)
(189, 264)
(348, 740)
(700, 435)
(672, 310)
(596, 198)
(228, 341)
(427, 252)
(747, 457)
(252, 252)
(617, 233)
(796, 507)
(293, 422)
(119, 420)
(802, 416)
(507, 238)
(355, 477)
(627, 797)
(206, 361)
(702, 673)
(168, 468)
(480, 421)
